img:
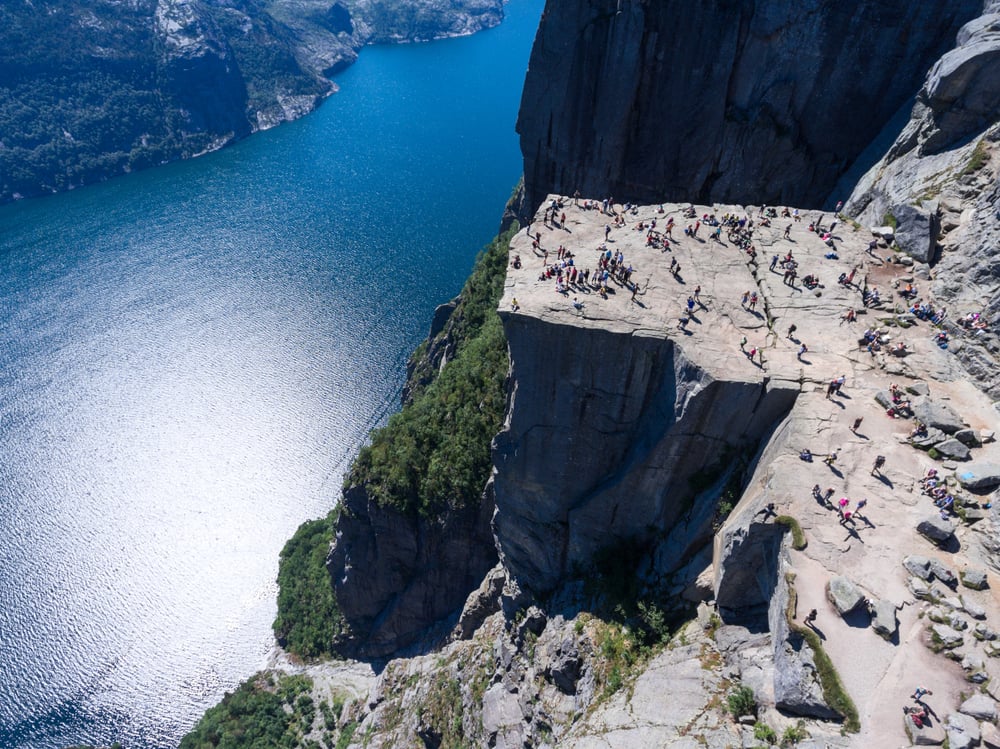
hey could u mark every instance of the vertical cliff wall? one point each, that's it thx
(604, 431)
(719, 100)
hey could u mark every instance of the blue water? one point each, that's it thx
(190, 357)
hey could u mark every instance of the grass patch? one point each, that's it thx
(764, 732)
(741, 701)
(798, 536)
(834, 693)
(889, 220)
(977, 160)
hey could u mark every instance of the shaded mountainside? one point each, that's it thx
(100, 87)
(719, 101)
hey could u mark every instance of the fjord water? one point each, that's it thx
(189, 359)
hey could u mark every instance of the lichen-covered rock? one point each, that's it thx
(953, 449)
(980, 706)
(947, 637)
(973, 608)
(975, 579)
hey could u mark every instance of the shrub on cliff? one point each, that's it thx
(435, 453)
(263, 713)
(308, 618)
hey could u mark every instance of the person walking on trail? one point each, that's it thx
(743, 343)
(802, 350)
(857, 424)
(811, 617)
(879, 462)
(831, 458)
(791, 330)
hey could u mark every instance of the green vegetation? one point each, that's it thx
(798, 537)
(441, 708)
(889, 220)
(794, 734)
(977, 160)
(266, 712)
(834, 693)
(741, 701)
(308, 619)
(764, 732)
(434, 455)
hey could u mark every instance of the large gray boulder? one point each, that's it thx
(975, 579)
(937, 415)
(979, 476)
(884, 620)
(928, 734)
(980, 707)
(936, 528)
(946, 636)
(918, 566)
(953, 450)
(963, 731)
(916, 232)
(844, 595)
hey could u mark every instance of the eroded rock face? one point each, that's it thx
(594, 456)
(397, 575)
(715, 101)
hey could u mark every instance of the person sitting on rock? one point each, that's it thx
(807, 456)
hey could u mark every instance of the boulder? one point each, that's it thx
(936, 528)
(969, 437)
(928, 734)
(947, 637)
(963, 731)
(973, 608)
(918, 566)
(918, 388)
(982, 632)
(958, 622)
(920, 589)
(937, 415)
(980, 707)
(883, 232)
(929, 440)
(844, 595)
(972, 662)
(975, 579)
(943, 573)
(565, 668)
(990, 736)
(884, 620)
(916, 230)
(979, 476)
(953, 449)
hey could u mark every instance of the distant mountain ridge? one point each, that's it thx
(94, 88)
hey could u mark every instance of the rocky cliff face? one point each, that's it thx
(719, 101)
(605, 431)
(938, 183)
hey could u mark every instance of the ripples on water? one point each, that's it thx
(190, 357)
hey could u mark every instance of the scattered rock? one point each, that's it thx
(928, 734)
(957, 622)
(972, 608)
(969, 437)
(936, 528)
(982, 632)
(947, 637)
(975, 579)
(990, 736)
(920, 589)
(943, 573)
(918, 388)
(844, 595)
(963, 731)
(953, 449)
(979, 476)
(918, 566)
(929, 440)
(980, 706)
(564, 671)
(937, 415)
(972, 662)
(884, 620)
